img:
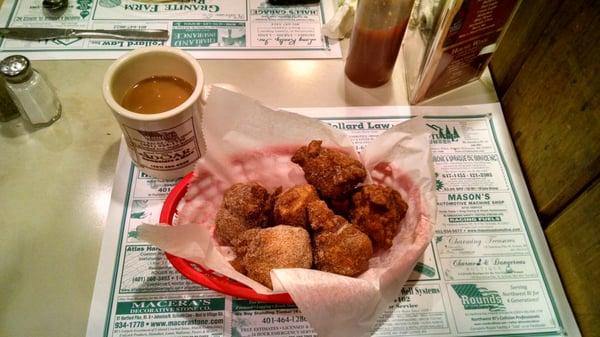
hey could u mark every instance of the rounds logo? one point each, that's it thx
(473, 297)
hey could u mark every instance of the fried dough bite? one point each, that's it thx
(338, 246)
(238, 266)
(290, 206)
(260, 250)
(333, 173)
(377, 211)
(245, 206)
(341, 206)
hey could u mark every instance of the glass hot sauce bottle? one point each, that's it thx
(378, 30)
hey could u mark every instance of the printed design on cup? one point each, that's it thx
(167, 149)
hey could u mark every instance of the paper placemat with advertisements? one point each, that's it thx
(218, 29)
(487, 272)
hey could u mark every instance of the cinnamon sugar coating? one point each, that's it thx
(261, 250)
(290, 206)
(245, 206)
(333, 173)
(377, 211)
(338, 246)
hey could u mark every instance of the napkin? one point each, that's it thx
(247, 141)
(341, 23)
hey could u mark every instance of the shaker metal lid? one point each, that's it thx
(16, 68)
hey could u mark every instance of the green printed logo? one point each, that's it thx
(424, 269)
(132, 235)
(195, 38)
(169, 306)
(230, 40)
(439, 184)
(84, 7)
(443, 134)
(208, 34)
(473, 297)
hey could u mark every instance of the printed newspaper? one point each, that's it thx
(221, 29)
(488, 270)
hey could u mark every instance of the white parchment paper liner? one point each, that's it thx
(334, 305)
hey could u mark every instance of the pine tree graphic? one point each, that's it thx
(448, 133)
(438, 183)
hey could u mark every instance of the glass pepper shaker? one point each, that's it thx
(375, 41)
(32, 94)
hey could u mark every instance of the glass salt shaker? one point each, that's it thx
(8, 108)
(32, 94)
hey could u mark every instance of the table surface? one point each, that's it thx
(55, 182)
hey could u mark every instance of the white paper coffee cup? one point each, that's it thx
(163, 145)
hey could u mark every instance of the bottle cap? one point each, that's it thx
(16, 68)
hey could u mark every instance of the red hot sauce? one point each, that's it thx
(373, 54)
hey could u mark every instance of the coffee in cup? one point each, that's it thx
(155, 94)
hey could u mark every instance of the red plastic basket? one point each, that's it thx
(201, 275)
